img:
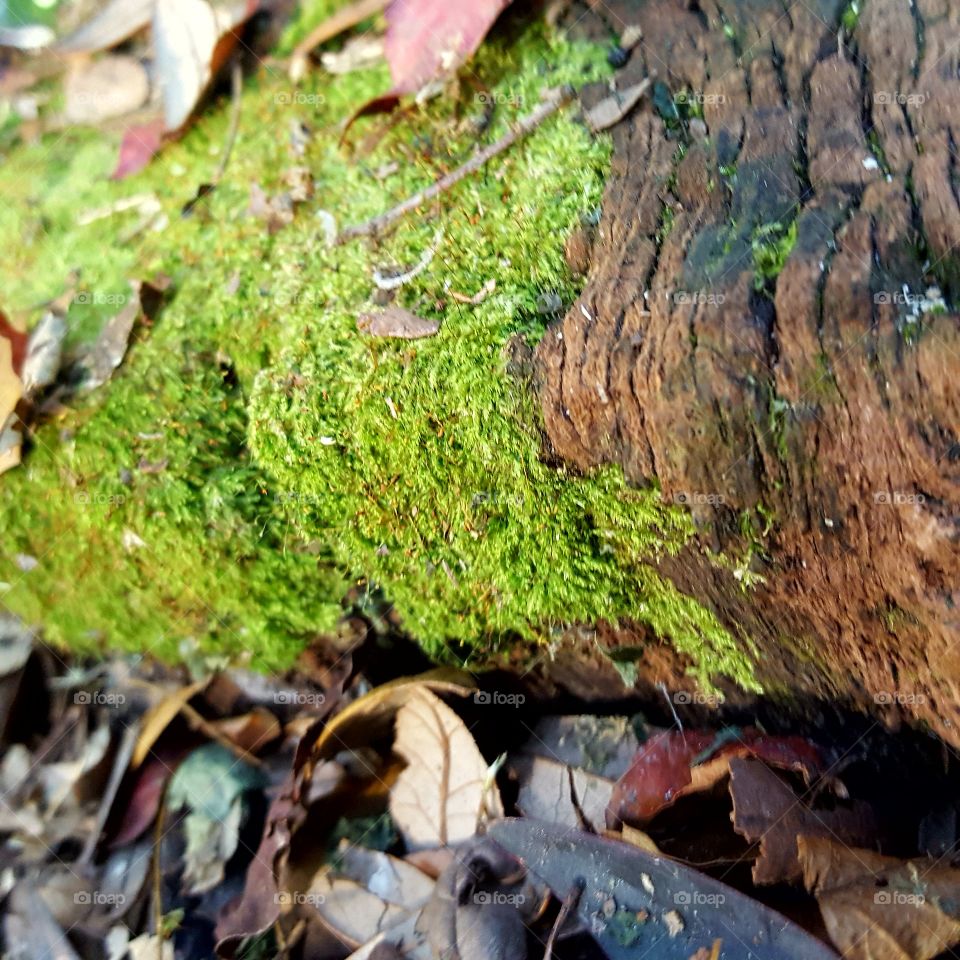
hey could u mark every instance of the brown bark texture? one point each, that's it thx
(806, 413)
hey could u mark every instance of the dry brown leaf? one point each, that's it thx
(765, 808)
(397, 323)
(614, 108)
(548, 790)
(881, 908)
(636, 838)
(158, 718)
(440, 796)
(369, 893)
(372, 715)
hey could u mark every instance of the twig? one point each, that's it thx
(236, 95)
(570, 902)
(331, 27)
(158, 833)
(120, 764)
(531, 121)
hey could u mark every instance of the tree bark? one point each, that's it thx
(808, 419)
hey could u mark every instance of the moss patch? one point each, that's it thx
(256, 455)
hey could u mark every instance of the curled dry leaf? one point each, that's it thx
(440, 797)
(372, 715)
(882, 908)
(397, 323)
(637, 904)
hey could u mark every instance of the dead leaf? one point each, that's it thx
(358, 53)
(191, 39)
(259, 906)
(140, 143)
(30, 929)
(105, 88)
(765, 808)
(158, 718)
(474, 911)
(651, 904)
(406, 941)
(118, 20)
(440, 796)
(369, 892)
(614, 108)
(12, 347)
(108, 351)
(398, 323)
(553, 791)
(44, 350)
(427, 39)
(372, 715)
(882, 908)
(673, 764)
(212, 785)
(149, 946)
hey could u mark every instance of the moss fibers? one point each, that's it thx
(256, 456)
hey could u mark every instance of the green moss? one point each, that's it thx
(256, 455)
(771, 244)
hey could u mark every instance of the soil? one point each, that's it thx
(806, 410)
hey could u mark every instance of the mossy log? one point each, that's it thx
(766, 331)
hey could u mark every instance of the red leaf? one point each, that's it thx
(672, 764)
(139, 145)
(428, 38)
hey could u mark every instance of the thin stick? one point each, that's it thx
(531, 121)
(570, 903)
(236, 95)
(331, 27)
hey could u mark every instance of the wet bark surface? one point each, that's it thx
(807, 413)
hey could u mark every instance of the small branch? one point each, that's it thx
(236, 96)
(331, 27)
(531, 121)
